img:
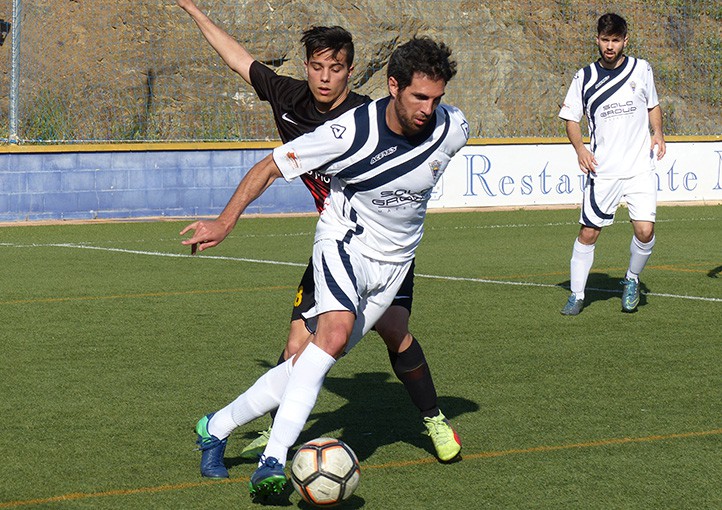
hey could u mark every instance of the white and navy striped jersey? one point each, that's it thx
(381, 181)
(616, 103)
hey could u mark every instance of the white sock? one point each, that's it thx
(581, 265)
(639, 255)
(301, 393)
(262, 397)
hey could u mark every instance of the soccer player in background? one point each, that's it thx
(618, 97)
(365, 241)
(299, 106)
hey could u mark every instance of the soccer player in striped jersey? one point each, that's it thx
(299, 106)
(618, 97)
(384, 159)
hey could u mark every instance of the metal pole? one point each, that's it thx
(15, 72)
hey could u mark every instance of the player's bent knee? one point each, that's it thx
(333, 332)
(398, 342)
(333, 346)
(644, 233)
(589, 235)
(393, 327)
(391, 334)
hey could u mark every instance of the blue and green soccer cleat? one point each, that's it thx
(630, 296)
(268, 479)
(212, 450)
(573, 306)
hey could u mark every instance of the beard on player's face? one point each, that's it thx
(611, 48)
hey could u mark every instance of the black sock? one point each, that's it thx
(411, 369)
(281, 359)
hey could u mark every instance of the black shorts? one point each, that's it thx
(304, 300)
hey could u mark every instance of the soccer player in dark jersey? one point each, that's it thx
(299, 106)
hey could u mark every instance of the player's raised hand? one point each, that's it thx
(206, 234)
(185, 3)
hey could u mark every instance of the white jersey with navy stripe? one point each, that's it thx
(616, 103)
(381, 181)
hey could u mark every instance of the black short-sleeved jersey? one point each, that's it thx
(295, 114)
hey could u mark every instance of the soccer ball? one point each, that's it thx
(325, 471)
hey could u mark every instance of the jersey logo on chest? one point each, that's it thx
(386, 152)
(288, 118)
(338, 130)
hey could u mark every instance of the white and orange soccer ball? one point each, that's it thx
(325, 471)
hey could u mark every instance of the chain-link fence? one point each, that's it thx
(139, 70)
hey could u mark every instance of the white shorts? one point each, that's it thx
(602, 197)
(347, 280)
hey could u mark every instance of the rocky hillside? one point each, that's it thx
(129, 69)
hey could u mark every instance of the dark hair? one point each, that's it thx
(334, 38)
(421, 55)
(611, 24)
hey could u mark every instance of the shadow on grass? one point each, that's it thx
(602, 287)
(714, 273)
(284, 500)
(351, 504)
(377, 412)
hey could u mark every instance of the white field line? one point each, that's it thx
(310, 233)
(297, 264)
(151, 253)
(551, 285)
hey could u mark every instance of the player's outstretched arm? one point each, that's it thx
(587, 162)
(655, 123)
(232, 53)
(207, 234)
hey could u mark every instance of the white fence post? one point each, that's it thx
(15, 72)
